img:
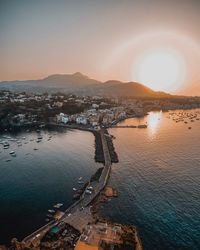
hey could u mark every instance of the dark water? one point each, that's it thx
(158, 180)
(36, 180)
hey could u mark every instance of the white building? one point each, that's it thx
(63, 118)
(81, 120)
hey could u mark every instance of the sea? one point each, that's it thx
(157, 178)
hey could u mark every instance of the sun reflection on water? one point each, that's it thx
(153, 121)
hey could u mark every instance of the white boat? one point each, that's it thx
(80, 178)
(88, 191)
(51, 211)
(58, 205)
(74, 189)
(12, 152)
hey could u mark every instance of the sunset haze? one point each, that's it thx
(104, 40)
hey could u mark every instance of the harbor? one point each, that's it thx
(76, 212)
(80, 214)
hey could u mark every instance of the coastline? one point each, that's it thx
(106, 165)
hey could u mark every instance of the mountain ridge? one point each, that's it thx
(78, 83)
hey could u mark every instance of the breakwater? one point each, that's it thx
(113, 154)
(99, 155)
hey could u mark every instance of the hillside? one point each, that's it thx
(80, 84)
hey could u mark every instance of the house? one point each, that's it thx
(81, 120)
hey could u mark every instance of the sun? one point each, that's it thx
(160, 69)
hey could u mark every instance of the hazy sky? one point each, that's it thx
(42, 37)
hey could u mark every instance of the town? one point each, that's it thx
(18, 110)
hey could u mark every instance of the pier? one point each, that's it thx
(78, 215)
(129, 126)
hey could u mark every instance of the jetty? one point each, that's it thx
(129, 126)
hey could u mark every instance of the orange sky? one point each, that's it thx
(102, 39)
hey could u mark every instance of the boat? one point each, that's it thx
(74, 189)
(58, 205)
(49, 215)
(6, 145)
(8, 160)
(88, 191)
(51, 211)
(80, 182)
(12, 152)
(35, 148)
(80, 178)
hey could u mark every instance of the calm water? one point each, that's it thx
(158, 180)
(36, 180)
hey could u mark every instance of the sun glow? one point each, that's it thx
(152, 56)
(160, 69)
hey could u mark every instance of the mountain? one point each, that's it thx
(80, 84)
(52, 83)
(118, 88)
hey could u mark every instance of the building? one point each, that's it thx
(63, 118)
(81, 120)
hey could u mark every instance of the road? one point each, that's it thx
(79, 214)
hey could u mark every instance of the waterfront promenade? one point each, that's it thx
(78, 215)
